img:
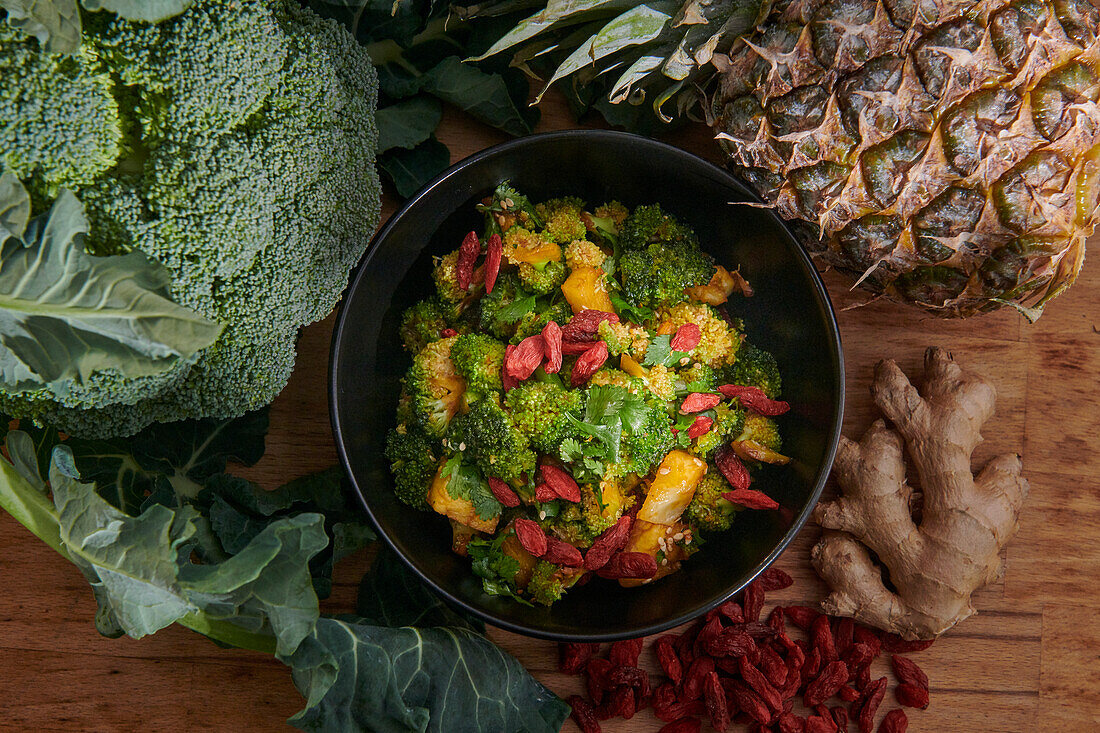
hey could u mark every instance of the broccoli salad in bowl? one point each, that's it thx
(582, 402)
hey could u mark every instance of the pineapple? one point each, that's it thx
(945, 153)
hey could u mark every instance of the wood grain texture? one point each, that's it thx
(1030, 661)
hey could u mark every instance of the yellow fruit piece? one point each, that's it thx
(524, 246)
(526, 560)
(584, 289)
(717, 291)
(652, 539)
(672, 488)
(460, 510)
(752, 450)
(632, 367)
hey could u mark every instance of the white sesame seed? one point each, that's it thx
(542, 514)
(678, 536)
(664, 471)
(461, 446)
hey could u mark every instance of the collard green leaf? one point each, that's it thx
(359, 677)
(409, 170)
(391, 595)
(55, 23)
(483, 95)
(65, 315)
(150, 11)
(21, 450)
(15, 207)
(371, 21)
(408, 123)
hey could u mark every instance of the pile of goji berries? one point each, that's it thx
(731, 667)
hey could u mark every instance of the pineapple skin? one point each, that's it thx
(945, 153)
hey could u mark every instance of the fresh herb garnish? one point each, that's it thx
(660, 351)
(466, 482)
(496, 568)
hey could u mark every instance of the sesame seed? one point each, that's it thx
(665, 471)
(665, 561)
(461, 446)
(542, 514)
(678, 536)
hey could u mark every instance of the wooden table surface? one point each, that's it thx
(1029, 661)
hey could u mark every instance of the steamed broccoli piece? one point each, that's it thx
(506, 292)
(697, 378)
(434, 388)
(492, 440)
(658, 275)
(754, 367)
(580, 524)
(445, 277)
(728, 424)
(506, 207)
(538, 258)
(252, 183)
(708, 510)
(763, 430)
(650, 225)
(550, 581)
(606, 221)
(478, 359)
(539, 410)
(422, 324)
(645, 447)
(562, 217)
(534, 321)
(543, 279)
(413, 463)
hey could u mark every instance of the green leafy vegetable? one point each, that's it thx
(496, 568)
(485, 96)
(391, 595)
(660, 351)
(464, 481)
(516, 310)
(407, 124)
(409, 170)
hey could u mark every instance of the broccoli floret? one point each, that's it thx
(644, 448)
(697, 378)
(562, 219)
(708, 510)
(617, 378)
(582, 253)
(606, 221)
(614, 211)
(497, 446)
(538, 258)
(413, 463)
(720, 341)
(506, 292)
(534, 321)
(235, 144)
(580, 524)
(763, 430)
(445, 276)
(649, 225)
(539, 410)
(507, 207)
(435, 390)
(728, 424)
(422, 324)
(657, 276)
(550, 581)
(543, 279)
(478, 359)
(756, 368)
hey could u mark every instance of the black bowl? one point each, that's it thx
(790, 315)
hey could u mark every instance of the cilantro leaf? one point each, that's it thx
(660, 351)
(516, 310)
(630, 312)
(465, 482)
(496, 569)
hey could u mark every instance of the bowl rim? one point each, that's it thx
(823, 471)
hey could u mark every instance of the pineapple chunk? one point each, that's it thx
(460, 510)
(460, 538)
(584, 289)
(629, 365)
(533, 250)
(673, 487)
(657, 541)
(717, 291)
(526, 560)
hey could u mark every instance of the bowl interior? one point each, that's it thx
(789, 315)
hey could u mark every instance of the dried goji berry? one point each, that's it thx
(896, 721)
(812, 665)
(775, 579)
(801, 616)
(634, 565)
(872, 698)
(795, 656)
(840, 717)
(871, 637)
(507, 379)
(698, 401)
(575, 348)
(748, 701)
(752, 600)
(897, 645)
(732, 468)
(711, 629)
(588, 364)
(906, 670)
(773, 666)
(622, 703)
(562, 553)
(791, 723)
(683, 725)
(608, 543)
(596, 672)
(826, 684)
(543, 493)
(732, 611)
(848, 693)
(863, 678)
(551, 340)
(629, 675)
(625, 653)
(821, 636)
(686, 338)
(526, 357)
(730, 643)
(750, 499)
(819, 724)
(447, 333)
(858, 656)
(584, 715)
(531, 536)
(700, 427)
(584, 325)
(677, 710)
(468, 252)
(754, 399)
(714, 698)
(911, 696)
(667, 659)
(503, 492)
(573, 656)
(755, 679)
(696, 677)
(560, 480)
(842, 635)
(493, 251)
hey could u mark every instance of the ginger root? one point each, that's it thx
(934, 565)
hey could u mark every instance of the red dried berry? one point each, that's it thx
(863, 678)
(711, 629)
(634, 565)
(821, 636)
(683, 725)
(754, 399)
(911, 696)
(468, 252)
(584, 715)
(848, 693)
(730, 643)
(543, 493)
(503, 492)
(608, 543)
(698, 401)
(493, 250)
(531, 536)
(573, 656)
(826, 684)
(596, 681)
(858, 656)
(677, 710)
(575, 348)
(907, 671)
(622, 703)
(696, 677)
(629, 675)
(812, 665)
(732, 468)
(752, 600)
(755, 679)
(748, 701)
(896, 721)
(525, 359)
(625, 653)
(507, 379)
(842, 635)
(801, 616)
(584, 325)
(840, 717)
(588, 364)
(773, 666)
(686, 338)
(714, 697)
(750, 499)
(791, 723)
(700, 427)
(551, 340)
(732, 611)
(819, 724)
(872, 698)
(561, 482)
(871, 637)
(897, 645)
(447, 333)
(670, 663)
(775, 579)
(562, 553)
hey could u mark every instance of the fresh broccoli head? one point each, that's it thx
(539, 410)
(413, 463)
(550, 581)
(543, 279)
(563, 219)
(697, 378)
(422, 324)
(534, 321)
(582, 253)
(478, 359)
(657, 276)
(235, 145)
(644, 448)
(497, 446)
(728, 424)
(650, 225)
(763, 430)
(490, 306)
(755, 368)
(708, 510)
(538, 258)
(434, 387)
